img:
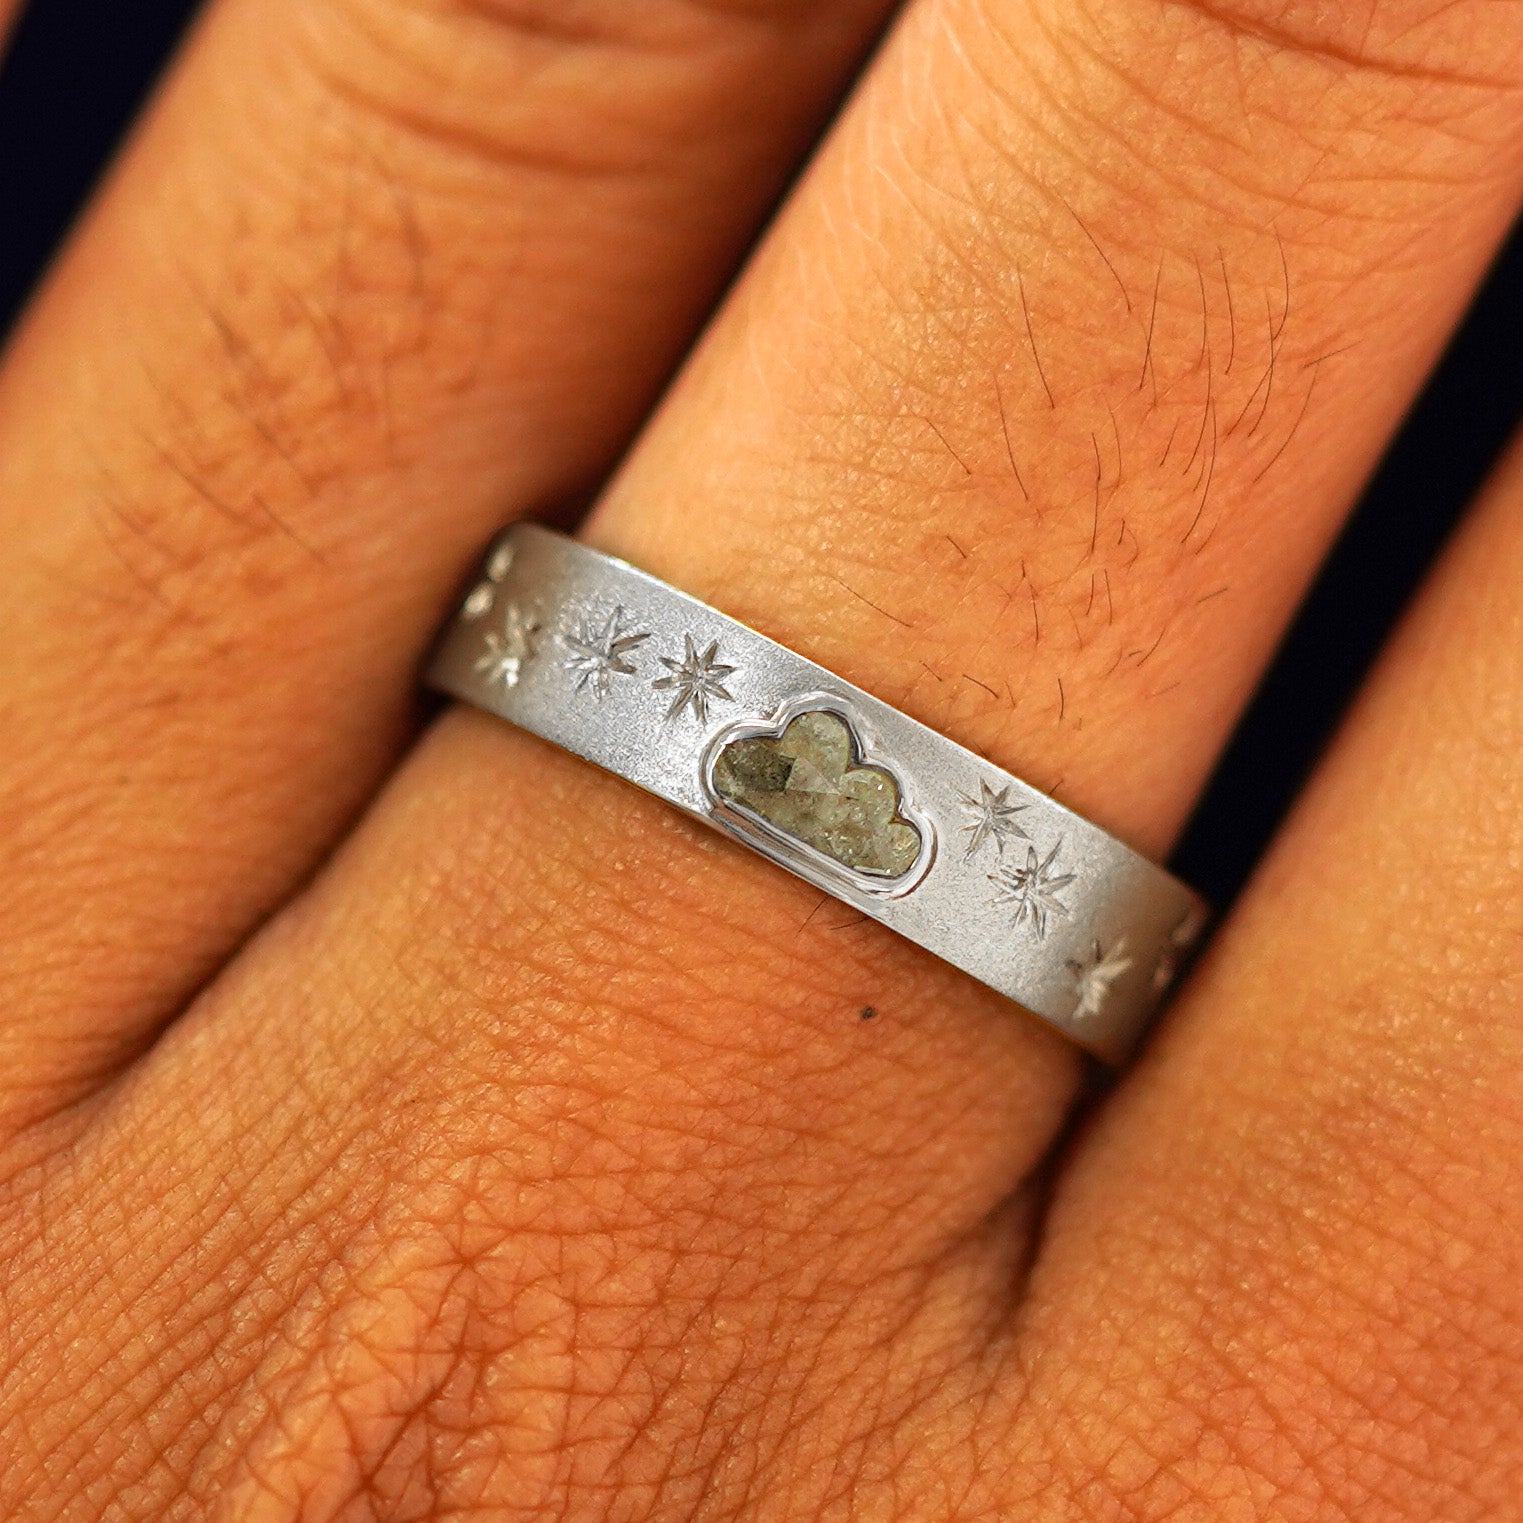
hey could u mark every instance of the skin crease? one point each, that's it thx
(535, 1161)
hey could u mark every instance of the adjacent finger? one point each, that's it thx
(374, 276)
(1298, 1238)
(9, 10)
(533, 1028)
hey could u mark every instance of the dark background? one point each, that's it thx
(79, 68)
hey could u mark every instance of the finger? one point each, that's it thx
(1313, 1190)
(631, 1060)
(373, 275)
(531, 1030)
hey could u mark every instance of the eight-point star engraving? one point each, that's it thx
(990, 818)
(479, 603)
(598, 651)
(506, 652)
(1093, 978)
(695, 680)
(1033, 889)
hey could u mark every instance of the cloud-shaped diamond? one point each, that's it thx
(808, 783)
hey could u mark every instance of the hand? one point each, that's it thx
(453, 1132)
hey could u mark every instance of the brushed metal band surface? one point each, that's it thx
(608, 662)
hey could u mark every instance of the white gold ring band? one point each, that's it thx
(864, 802)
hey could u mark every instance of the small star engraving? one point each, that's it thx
(1181, 939)
(482, 596)
(505, 654)
(990, 818)
(695, 680)
(598, 652)
(1093, 979)
(1033, 889)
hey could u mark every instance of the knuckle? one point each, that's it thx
(291, 384)
(590, 91)
(411, 1381)
(483, 1343)
(343, 301)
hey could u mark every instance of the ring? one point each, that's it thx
(867, 804)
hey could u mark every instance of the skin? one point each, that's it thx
(403, 1127)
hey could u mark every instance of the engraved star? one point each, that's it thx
(1033, 889)
(695, 679)
(599, 651)
(1181, 939)
(1093, 979)
(505, 654)
(479, 603)
(991, 818)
